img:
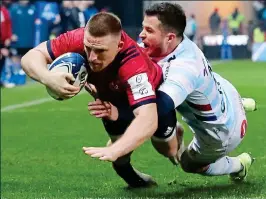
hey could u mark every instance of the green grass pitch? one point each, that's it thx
(41, 149)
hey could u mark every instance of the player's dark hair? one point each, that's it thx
(171, 15)
(104, 23)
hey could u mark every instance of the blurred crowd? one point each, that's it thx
(234, 23)
(259, 29)
(25, 24)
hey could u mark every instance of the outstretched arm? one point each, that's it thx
(142, 128)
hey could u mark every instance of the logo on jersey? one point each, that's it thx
(140, 86)
(171, 58)
(138, 79)
(67, 65)
(114, 86)
(143, 91)
(166, 67)
(168, 131)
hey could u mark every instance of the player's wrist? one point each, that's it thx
(116, 151)
(45, 78)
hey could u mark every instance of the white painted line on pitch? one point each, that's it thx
(30, 103)
(26, 104)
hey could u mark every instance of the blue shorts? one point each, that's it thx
(166, 125)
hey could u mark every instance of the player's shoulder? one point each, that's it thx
(71, 41)
(129, 44)
(187, 50)
(184, 63)
(186, 55)
(131, 52)
(73, 37)
(77, 33)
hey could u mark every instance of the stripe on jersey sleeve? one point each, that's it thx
(200, 107)
(206, 118)
(144, 102)
(130, 53)
(49, 48)
(135, 54)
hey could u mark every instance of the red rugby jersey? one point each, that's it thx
(131, 79)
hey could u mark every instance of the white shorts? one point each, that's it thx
(217, 140)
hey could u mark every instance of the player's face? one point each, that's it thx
(101, 51)
(153, 37)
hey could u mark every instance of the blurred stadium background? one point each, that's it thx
(41, 139)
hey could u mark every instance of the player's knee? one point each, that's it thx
(165, 148)
(172, 152)
(190, 166)
(187, 167)
(187, 163)
(168, 153)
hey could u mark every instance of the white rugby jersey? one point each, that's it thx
(200, 95)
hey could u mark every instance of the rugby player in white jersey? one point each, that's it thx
(209, 104)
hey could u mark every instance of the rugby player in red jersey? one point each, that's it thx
(122, 75)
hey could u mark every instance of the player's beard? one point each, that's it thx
(153, 51)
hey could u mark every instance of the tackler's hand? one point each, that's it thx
(91, 89)
(101, 109)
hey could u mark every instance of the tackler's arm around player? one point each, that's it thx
(98, 108)
(34, 63)
(102, 109)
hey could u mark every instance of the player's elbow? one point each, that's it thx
(27, 59)
(24, 61)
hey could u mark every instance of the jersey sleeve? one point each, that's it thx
(180, 79)
(140, 88)
(71, 41)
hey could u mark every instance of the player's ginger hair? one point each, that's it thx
(104, 23)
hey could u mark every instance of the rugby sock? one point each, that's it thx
(174, 160)
(225, 165)
(132, 177)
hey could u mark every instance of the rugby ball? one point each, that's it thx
(70, 63)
